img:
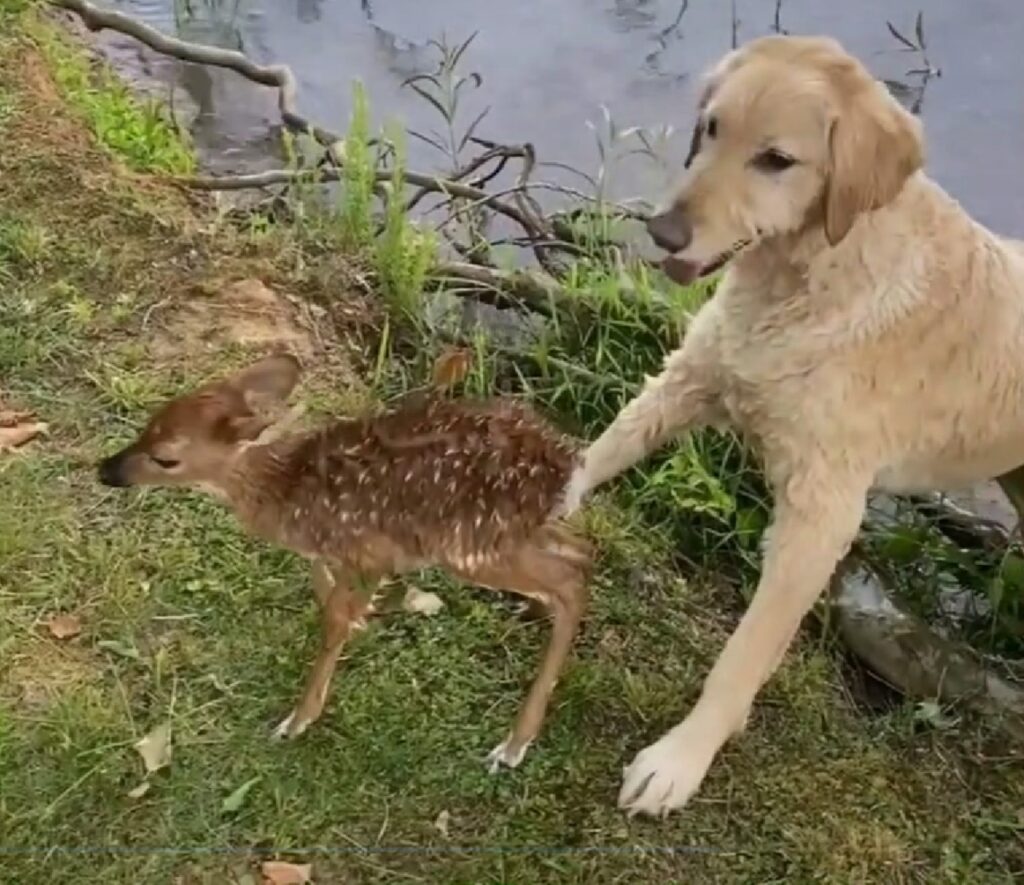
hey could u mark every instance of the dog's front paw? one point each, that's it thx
(508, 753)
(575, 491)
(664, 776)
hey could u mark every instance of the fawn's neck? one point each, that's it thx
(261, 486)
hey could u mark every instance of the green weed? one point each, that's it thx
(403, 252)
(135, 131)
(359, 177)
(22, 245)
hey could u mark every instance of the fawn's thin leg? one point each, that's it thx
(554, 575)
(342, 607)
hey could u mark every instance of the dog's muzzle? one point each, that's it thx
(671, 230)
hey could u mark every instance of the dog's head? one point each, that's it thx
(791, 132)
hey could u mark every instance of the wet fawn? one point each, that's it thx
(470, 486)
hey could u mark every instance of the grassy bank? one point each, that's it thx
(116, 291)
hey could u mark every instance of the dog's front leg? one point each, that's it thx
(816, 520)
(677, 400)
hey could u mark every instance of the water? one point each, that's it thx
(549, 65)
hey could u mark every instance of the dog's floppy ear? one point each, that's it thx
(874, 146)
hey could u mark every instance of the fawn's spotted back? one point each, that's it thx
(433, 480)
(449, 481)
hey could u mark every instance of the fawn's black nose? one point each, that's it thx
(671, 229)
(110, 472)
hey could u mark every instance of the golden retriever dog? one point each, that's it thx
(866, 333)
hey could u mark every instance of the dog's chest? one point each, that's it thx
(764, 376)
(758, 383)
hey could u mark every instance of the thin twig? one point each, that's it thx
(777, 20)
(501, 152)
(432, 183)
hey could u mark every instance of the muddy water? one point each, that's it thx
(549, 65)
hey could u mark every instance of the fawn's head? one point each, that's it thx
(193, 439)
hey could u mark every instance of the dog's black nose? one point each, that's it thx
(109, 472)
(670, 230)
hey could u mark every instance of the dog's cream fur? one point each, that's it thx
(868, 334)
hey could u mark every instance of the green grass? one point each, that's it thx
(140, 134)
(184, 619)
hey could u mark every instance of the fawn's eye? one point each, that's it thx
(772, 160)
(164, 463)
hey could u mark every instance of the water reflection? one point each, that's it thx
(308, 10)
(633, 15)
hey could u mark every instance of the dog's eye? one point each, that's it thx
(772, 160)
(712, 127)
(164, 463)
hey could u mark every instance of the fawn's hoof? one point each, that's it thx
(290, 727)
(507, 753)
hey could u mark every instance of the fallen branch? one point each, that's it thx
(960, 525)
(277, 76)
(913, 658)
(430, 183)
(560, 236)
(536, 290)
(544, 235)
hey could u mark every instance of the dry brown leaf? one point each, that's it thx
(279, 872)
(155, 748)
(17, 428)
(64, 626)
(452, 366)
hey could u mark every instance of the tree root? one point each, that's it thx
(909, 655)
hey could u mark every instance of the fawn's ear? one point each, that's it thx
(265, 385)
